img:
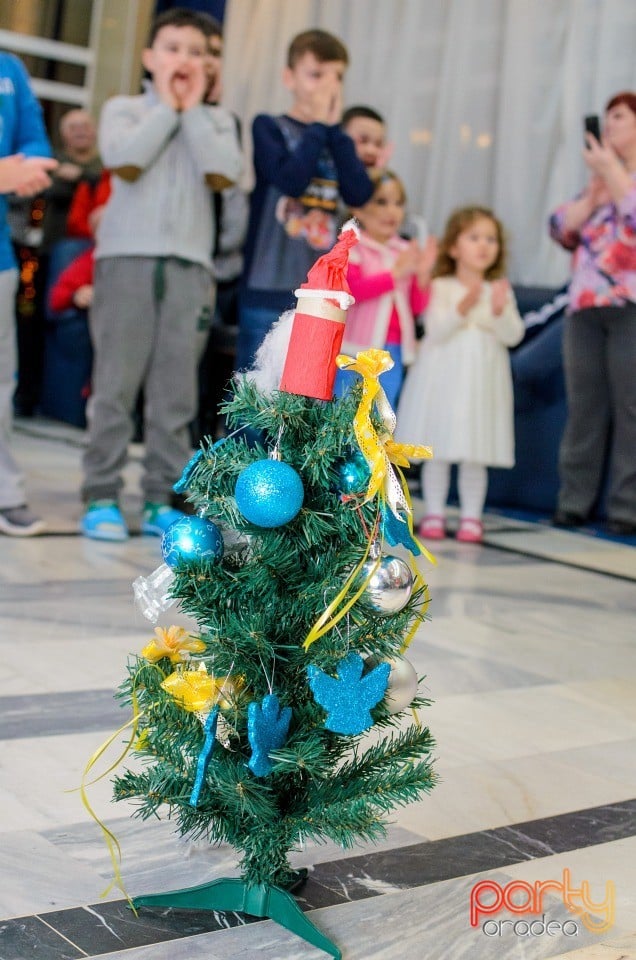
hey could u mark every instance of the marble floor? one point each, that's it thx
(530, 659)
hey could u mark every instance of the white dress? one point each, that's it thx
(457, 396)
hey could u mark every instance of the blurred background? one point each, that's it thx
(484, 98)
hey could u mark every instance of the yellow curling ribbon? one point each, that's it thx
(111, 841)
(331, 615)
(379, 449)
(409, 521)
(381, 452)
(418, 583)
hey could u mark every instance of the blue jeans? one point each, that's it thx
(254, 325)
(391, 381)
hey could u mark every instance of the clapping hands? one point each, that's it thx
(470, 298)
(406, 261)
(426, 261)
(416, 260)
(499, 294)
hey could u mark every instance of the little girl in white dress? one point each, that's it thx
(457, 397)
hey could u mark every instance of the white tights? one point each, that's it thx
(472, 482)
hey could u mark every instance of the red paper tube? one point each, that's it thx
(310, 366)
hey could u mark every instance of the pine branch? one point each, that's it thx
(404, 748)
(345, 823)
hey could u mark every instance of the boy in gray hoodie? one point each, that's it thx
(154, 287)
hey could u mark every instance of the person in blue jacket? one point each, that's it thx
(25, 164)
(305, 166)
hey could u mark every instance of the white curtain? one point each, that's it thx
(483, 99)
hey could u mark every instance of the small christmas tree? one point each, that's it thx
(254, 731)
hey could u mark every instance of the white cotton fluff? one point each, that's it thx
(270, 357)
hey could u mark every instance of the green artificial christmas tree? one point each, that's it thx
(282, 718)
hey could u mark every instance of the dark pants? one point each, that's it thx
(31, 327)
(254, 325)
(217, 362)
(599, 357)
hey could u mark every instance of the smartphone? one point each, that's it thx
(592, 125)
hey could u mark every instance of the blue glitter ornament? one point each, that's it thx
(269, 493)
(396, 532)
(353, 475)
(267, 726)
(191, 538)
(348, 699)
(204, 757)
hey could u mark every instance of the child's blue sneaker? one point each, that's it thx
(103, 520)
(157, 517)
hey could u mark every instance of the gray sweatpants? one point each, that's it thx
(149, 324)
(11, 479)
(599, 357)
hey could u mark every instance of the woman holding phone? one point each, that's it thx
(599, 343)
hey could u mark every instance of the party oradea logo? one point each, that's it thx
(526, 902)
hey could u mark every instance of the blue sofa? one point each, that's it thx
(540, 412)
(68, 354)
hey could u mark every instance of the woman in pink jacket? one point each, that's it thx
(389, 278)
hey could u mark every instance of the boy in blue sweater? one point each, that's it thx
(304, 164)
(25, 164)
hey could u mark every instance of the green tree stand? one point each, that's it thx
(233, 894)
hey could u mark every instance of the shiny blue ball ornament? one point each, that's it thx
(353, 475)
(269, 493)
(191, 538)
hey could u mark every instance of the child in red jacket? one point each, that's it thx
(74, 286)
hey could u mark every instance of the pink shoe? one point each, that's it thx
(470, 531)
(432, 528)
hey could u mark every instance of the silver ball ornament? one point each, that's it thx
(402, 687)
(390, 585)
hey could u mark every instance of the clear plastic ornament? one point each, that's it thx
(152, 593)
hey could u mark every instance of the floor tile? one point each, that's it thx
(528, 656)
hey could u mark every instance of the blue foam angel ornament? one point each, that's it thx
(398, 532)
(267, 726)
(183, 483)
(205, 755)
(349, 697)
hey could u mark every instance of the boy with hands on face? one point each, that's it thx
(154, 289)
(305, 167)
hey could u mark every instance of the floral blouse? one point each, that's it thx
(604, 254)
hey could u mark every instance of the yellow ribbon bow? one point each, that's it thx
(173, 642)
(197, 691)
(379, 449)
